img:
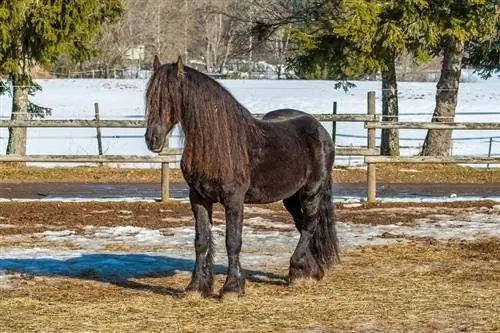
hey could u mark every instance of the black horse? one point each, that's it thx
(232, 158)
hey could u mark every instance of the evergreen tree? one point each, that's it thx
(485, 57)
(36, 32)
(461, 24)
(365, 37)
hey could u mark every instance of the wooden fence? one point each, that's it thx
(370, 152)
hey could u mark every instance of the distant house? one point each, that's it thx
(135, 53)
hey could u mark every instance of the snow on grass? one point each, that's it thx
(166, 251)
(257, 210)
(264, 223)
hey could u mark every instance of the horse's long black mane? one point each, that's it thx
(218, 129)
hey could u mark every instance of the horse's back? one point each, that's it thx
(304, 122)
(284, 115)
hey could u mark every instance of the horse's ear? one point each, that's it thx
(180, 68)
(156, 63)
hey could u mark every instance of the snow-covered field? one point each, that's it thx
(124, 99)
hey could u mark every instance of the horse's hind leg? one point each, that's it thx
(202, 277)
(302, 263)
(293, 206)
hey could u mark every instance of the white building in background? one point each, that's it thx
(135, 56)
(135, 53)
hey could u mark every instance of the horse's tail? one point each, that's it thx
(324, 244)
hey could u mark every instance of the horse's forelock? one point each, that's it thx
(152, 97)
(157, 95)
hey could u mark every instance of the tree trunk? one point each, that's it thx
(438, 142)
(17, 135)
(389, 144)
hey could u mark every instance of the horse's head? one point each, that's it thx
(163, 102)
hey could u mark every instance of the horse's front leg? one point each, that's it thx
(202, 278)
(235, 281)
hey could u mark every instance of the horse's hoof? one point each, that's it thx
(195, 288)
(235, 286)
(311, 271)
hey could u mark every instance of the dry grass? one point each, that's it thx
(421, 173)
(419, 287)
(397, 173)
(11, 174)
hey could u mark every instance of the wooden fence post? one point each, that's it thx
(371, 142)
(334, 123)
(489, 151)
(165, 178)
(98, 129)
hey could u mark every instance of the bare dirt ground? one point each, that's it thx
(122, 267)
(342, 192)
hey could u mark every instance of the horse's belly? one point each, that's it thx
(272, 191)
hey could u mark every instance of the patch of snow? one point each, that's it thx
(107, 266)
(422, 199)
(257, 210)
(105, 211)
(353, 205)
(410, 170)
(4, 280)
(262, 222)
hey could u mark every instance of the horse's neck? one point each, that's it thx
(218, 141)
(239, 116)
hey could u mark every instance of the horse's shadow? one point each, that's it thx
(121, 269)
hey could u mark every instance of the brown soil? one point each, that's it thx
(30, 217)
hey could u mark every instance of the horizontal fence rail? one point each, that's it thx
(142, 123)
(336, 117)
(168, 156)
(434, 125)
(74, 123)
(432, 159)
(88, 158)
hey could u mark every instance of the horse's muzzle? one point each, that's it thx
(155, 141)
